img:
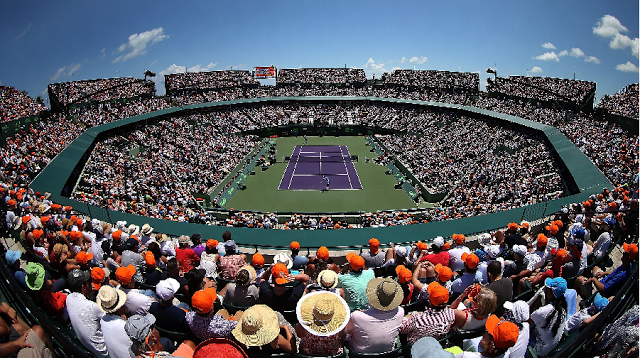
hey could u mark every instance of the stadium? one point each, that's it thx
(291, 211)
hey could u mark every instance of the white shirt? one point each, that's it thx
(137, 302)
(602, 245)
(545, 341)
(520, 348)
(455, 257)
(96, 250)
(115, 337)
(85, 319)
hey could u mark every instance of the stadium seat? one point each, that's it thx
(233, 309)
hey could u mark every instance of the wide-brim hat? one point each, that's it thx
(110, 299)
(322, 313)
(146, 229)
(258, 326)
(384, 293)
(284, 258)
(35, 275)
(328, 276)
(252, 273)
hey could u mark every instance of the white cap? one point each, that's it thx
(492, 251)
(438, 241)
(484, 239)
(165, 289)
(520, 250)
(520, 310)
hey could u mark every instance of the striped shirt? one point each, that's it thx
(431, 323)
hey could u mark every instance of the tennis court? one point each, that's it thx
(311, 166)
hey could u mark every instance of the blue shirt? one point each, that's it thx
(614, 282)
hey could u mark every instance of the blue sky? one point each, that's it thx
(58, 41)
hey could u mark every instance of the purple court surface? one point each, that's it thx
(311, 165)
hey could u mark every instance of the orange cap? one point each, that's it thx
(470, 260)
(446, 246)
(558, 223)
(525, 225)
(542, 240)
(37, 233)
(513, 226)
(444, 273)
(459, 238)
(554, 229)
(257, 259)
(211, 243)
(632, 250)
(504, 333)
(404, 275)
(82, 257)
(356, 262)
(422, 246)
(279, 272)
(323, 253)
(150, 259)
(560, 254)
(26, 218)
(202, 301)
(398, 268)
(294, 245)
(374, 245)
(438, 295)
(116, 235)
(97, 276)
(124, 274)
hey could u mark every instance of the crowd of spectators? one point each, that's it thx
(209, 80)
(114, 284)
(624, 103)
(104, 113)
(315, 76)
(435, 79)
(16, 104)
(99, 90)
(544, 88)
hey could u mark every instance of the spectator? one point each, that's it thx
(137, 301)
(354, 283)
(518, 313)
(469, 276)
(376, 329)
(502, 286)
(373, 258)
(111, 301)
(186, 256)
(500, 336)
(278, 296)
(322, 329)
(586, 316)
(204, 324)
(147, 341)
(439, 256)
(483, 303)
(435, 321)
(168, 316)
(232, 260)
(455, 253)
(608, 283)
(260, 330)
(242, 292)
(550, 320)
(299, 262)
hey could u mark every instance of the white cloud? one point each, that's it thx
(419, 60)
(536, 69)
(620, 42)
(374, 66)
(627, 67)
(154, 62)
(576, 52)
(403, 59)
(172, 70)
(548, 56)
(24, 32)
(608, 26)
(139, 43)
(66, 71)
(199, 68)
(563, 53)
(592, 59)
(548, 45)
(395, 68)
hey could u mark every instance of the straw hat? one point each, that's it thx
(110, 299)
(251, 271)
(328, 279)
(258, 326)
(384, 294)
(322, 313)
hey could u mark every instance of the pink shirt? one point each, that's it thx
(374, 331)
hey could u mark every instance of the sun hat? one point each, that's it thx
(328, 279)
(404, 275)
(257, 259)
(294, 245)
(322, 313)
(60, 251)
(519, 310)
(258, 326)
(146, 230)
(323, 253)
(384, 293)
(35, 275)
(438, 241)
(520, 250)
(230, 247)
(504, 333)
(211, 244)
(219, 347)
(470, 260)
(202, 301)
(493, 251)
(444, 272)
(165, 289)
(251, 271)
(558, 285)
(279, 272)
(484, 239)
(631, 250)
(459, 238)
(428, 347)
(402, 251)
(12, 256)
(110, 299)
(97, 276)
(283, 258)
(356, 262)
(438, 294)
(125, 273)
(138, 326)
